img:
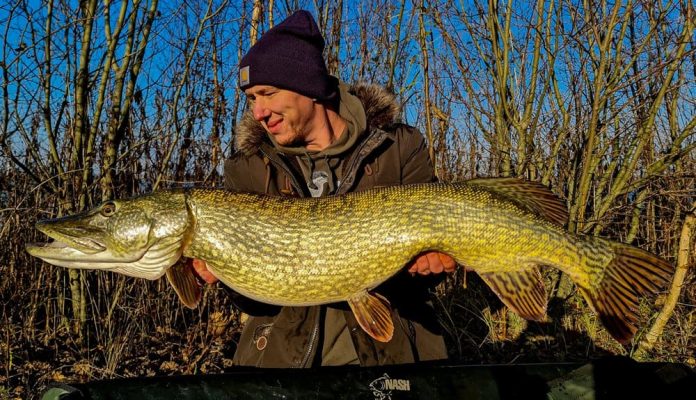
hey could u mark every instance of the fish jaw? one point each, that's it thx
(149, 262)
(140, 237)
(67, 255)
(147, 266)
(68, 236)
(77, 239)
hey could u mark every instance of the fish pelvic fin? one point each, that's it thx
(531, 196)
(521, 291)
(632, 273)
(373, 313)
(183, 280)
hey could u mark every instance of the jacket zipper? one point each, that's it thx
(356, 159)
(312, 340)
(286, 169)
(349, 170)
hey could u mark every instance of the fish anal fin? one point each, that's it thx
(184, 282)
(631, 274)
(373, 314)
(522, 291)
(529, 195)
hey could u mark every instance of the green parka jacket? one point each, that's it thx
(386, 154)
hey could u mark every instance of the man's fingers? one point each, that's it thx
(448, 263)
(423, 265)
(201, 269)
(413, 268)
(432, 262)
(436, 265)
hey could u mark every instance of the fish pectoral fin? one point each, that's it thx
(184, 282)
(373, 313)
(522, 291)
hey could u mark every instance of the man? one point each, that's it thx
(306, 134)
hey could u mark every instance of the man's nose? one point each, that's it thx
(260, 110)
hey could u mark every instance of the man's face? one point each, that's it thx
(286, 115)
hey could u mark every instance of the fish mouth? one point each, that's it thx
(58, 251)
(85, 245)
(149, 262)
(73, 244)
(84, 240)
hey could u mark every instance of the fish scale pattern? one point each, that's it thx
(313, 251)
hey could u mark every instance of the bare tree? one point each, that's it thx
(106, 99)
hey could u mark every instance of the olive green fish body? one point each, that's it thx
(321, 250)
(313, 251)
(302, 251)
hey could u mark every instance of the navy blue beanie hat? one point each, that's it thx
(289, 56)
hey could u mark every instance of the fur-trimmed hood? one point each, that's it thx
(381, 109)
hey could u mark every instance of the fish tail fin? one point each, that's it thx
(631, 273)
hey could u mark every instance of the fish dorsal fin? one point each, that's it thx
(532, 196)
(184, 282)
(373, 313)
(522, 291)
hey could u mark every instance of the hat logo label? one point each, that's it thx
(244, 76)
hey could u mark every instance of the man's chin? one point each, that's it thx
(282, 139)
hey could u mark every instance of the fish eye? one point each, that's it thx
(108, 209)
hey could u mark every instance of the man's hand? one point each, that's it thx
(432, 262)
(201, 269)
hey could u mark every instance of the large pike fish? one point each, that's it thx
(300, 252)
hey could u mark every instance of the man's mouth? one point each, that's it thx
(273, 124)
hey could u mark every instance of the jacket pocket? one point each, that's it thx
(261, 333)
(252, 342)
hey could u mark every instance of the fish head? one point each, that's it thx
(139, 237)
